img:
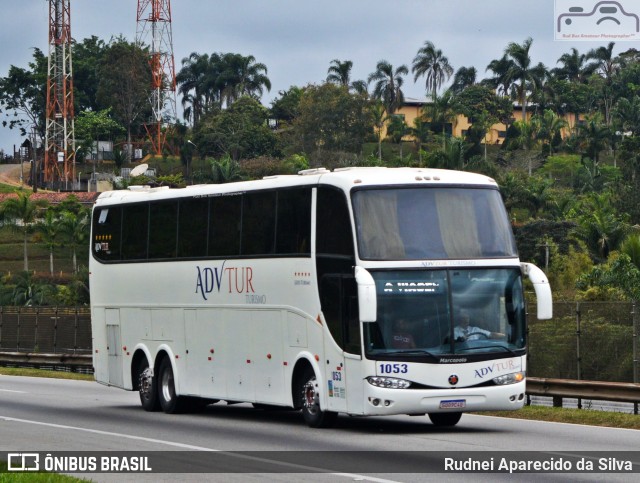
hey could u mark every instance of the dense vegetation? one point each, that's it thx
(568, 167)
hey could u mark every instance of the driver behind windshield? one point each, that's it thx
(465, 331)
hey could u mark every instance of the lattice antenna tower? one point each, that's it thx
(154, 30)
(59, 159)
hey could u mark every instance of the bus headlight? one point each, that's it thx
(388, 382)
(510, 378)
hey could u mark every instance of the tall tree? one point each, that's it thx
(574, 67)
(431, 63)
(522, 74)
(500, 81)
(463, 78)
(339, 72)
(75, 226)
(388, 85)
(22, 212)
(331, 119)
(196, 83)
(125, 83)
(88, 55)
(48, 229)
(242, 76)
(22, 95)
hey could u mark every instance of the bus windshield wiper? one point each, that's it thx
(506, 349)
(410, 352)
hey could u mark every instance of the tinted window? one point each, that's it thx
(258, 223)
(224, 226)
(293, 232)
(193, 227)
(135, 227)
(333, 230)
(106, 233)
(163, 222)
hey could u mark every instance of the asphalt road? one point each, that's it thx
(57, 415)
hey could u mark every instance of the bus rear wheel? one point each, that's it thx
(310, 403)
(445, 419)
(147, 387)
(169, 401)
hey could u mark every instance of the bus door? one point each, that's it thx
(338, 297)
(114, 351)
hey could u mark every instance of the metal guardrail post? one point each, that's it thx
(578, 354)
(634, 319)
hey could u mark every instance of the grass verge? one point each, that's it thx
(588, 417)
(29, 372)
(30, 477)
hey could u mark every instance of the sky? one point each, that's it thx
(298, 39)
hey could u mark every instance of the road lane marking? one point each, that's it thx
(292, 466)
(9, 390)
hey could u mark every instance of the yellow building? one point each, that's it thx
(413, 109)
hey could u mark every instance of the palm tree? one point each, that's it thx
(379, 117)
(521, 74)
(631, 247)
(606, 63)
(500, 80)
(593, 136)
(195, 84)
(441, 112)
(600, 226)
(340, 72)
(242, 76)
(397, 129)
(22, 212)
(431, 63)
(360, 87)
(388, 85)
(463, 78)
(48, 229)
(75, 227)
(549, 126)
(574, 67)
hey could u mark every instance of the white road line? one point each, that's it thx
(9, 390)
(293, 466)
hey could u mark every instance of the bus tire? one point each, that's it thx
(169, 401)
(310, 403)
(147, 387)
(445, 419)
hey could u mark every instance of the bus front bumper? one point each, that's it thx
(384, 401)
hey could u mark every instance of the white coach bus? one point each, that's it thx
(329, 292)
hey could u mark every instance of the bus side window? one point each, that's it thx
(193, 218)
(258, 223)
(225, 218)
(163, 220)
(135, 231)
(293, 231)
(106, 233)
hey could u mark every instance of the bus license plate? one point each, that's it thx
(453, 403)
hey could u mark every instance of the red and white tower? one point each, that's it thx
(59, 159)
(154, 30)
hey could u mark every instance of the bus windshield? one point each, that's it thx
(453, 311)
(432, 223)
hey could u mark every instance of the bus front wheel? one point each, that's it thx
(169, 401)
(310, 403)
(445, 419)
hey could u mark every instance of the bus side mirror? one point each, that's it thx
(367, 302)
(542, 288)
